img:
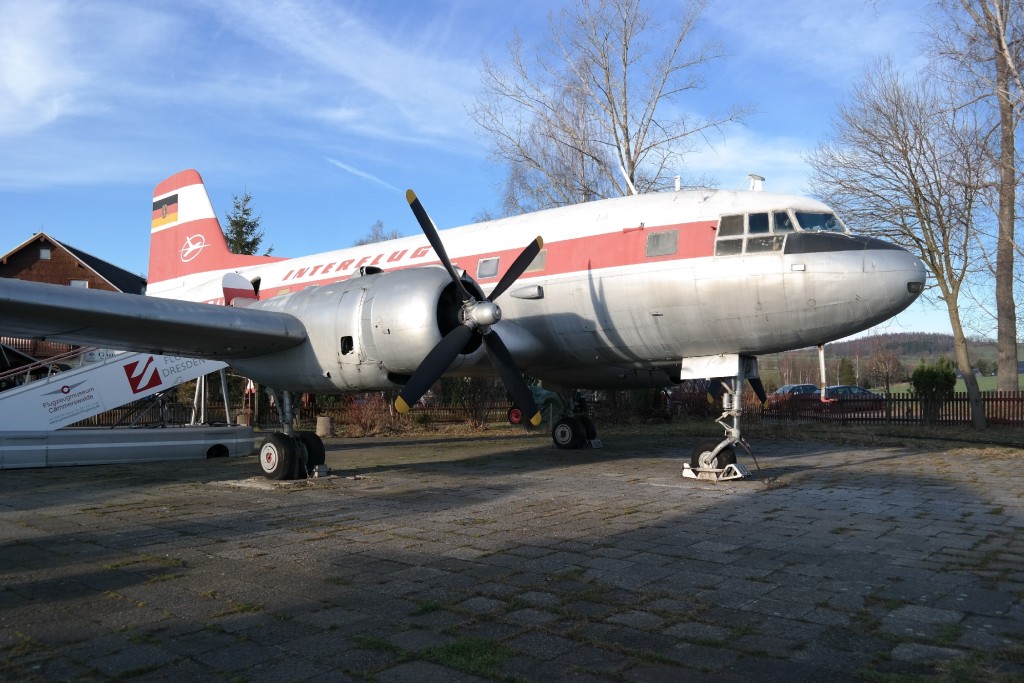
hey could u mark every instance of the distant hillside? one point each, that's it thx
(801, 366)
(915, 345)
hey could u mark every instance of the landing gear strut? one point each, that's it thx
(288, 454)
(715, 459)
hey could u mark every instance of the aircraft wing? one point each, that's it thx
(142, 323)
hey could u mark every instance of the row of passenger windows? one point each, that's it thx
(488, 267)
(766, 231)
(752, 232)
(659, 243)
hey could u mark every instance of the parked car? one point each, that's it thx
(786, 392)
(849, 397)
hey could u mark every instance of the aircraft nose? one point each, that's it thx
(885, 257)
(898, 273)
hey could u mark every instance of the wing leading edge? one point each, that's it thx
(142, 323)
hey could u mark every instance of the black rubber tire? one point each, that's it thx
(315, 452)
(727, 456)
(589, 428)
(515, 416)
(568, 433)
(277, 456)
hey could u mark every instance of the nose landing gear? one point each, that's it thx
(715, 459)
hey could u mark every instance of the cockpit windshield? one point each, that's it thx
(828, 222)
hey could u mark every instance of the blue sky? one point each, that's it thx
(327, 111)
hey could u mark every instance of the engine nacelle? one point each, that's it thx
(365, 333)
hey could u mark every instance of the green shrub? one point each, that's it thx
(933, 384)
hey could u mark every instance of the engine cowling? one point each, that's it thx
(365, 333)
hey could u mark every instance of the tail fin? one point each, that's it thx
(186, 236)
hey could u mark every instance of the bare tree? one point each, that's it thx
(885, 367)
(596, 100)
(903, 163)
(984, 39)
(377, 234)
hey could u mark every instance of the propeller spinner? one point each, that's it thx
(475, 317)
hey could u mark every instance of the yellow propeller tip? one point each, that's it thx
(400, 404)
(410, 196)
(535, 420)
(540, 242)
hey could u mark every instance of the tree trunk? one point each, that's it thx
(1006, 308)
(963, 364)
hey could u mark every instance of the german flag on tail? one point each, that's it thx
(165, 211)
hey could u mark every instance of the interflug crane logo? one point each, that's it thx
(142, 375)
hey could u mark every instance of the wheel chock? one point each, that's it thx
(733, 471)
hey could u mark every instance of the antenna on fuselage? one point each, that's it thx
(628, 181)
(756, 182)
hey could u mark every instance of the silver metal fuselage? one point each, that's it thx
(602, 319)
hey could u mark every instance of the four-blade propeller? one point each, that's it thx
(475, 316)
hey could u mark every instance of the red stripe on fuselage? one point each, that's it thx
(580, 254)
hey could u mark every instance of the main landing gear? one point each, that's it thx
(575, 429)
(288, 454)
(715, 459)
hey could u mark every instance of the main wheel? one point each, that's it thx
(315, 452)
(702, 458)
(568, 433)
(277, 455)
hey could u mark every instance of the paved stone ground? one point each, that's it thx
(467, 559)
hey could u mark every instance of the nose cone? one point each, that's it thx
(896, 277)
(848, 283)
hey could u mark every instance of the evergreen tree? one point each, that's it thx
(847, 373)
(243, 233)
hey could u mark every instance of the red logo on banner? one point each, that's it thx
(142, 376)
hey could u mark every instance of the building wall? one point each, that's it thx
(60, 269)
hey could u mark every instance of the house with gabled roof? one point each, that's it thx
(42, 258)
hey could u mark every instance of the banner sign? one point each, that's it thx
(74, 395)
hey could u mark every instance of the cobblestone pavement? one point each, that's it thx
(501, 558)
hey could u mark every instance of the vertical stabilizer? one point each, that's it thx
(186, 236)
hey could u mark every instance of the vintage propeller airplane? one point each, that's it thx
(638, 291)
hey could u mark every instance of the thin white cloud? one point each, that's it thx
(38, 78)
(362, 174)
(360, 67)
(827, 42)
(742, 151)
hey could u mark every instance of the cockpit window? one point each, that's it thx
(783, 223)
(757, 223)
(730, 226)
(819, 221)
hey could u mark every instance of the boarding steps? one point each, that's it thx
(32, 413)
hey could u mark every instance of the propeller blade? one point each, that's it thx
(758, 387)
(517, 268)
(432, 367)
(427, 226)
(715, 389)
(511, 377)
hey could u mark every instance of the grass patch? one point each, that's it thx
(240, 608)
(160, 578)
(377, 643)
(146, 559)
(426, 607)
(476, 656)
